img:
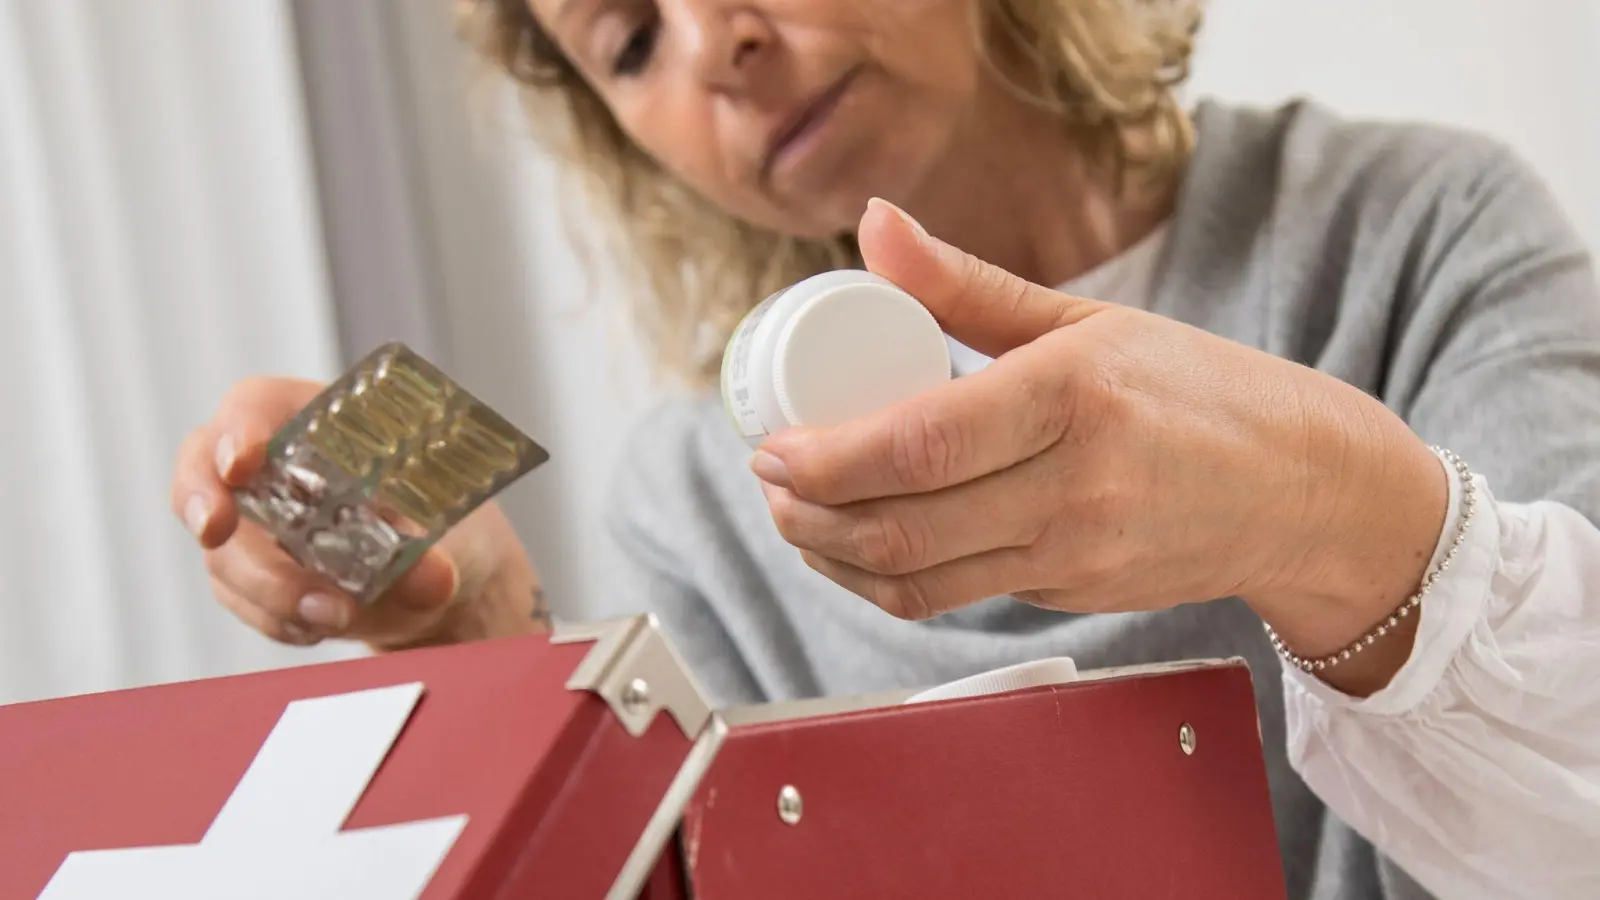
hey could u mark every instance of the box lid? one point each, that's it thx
(562, 754)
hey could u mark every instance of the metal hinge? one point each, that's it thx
(634, 669)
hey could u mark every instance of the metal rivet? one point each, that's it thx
(1186, 738)
(789, 805)
(636, 695)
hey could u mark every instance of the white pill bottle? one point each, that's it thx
(830, 348)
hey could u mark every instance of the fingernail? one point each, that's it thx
(902, 215)
(324, 613)
(298, 635)
(196, 513)
(771, 469)
(226, 451)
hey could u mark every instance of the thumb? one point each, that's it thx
(432, 583)
(412, 606)
(978, 304)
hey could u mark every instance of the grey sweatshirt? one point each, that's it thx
(1426, 266)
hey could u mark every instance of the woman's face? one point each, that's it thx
(789, 114)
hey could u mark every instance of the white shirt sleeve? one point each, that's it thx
(1477, 769)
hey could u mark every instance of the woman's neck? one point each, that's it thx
(1017, 192)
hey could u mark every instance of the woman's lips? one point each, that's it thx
(791, 141)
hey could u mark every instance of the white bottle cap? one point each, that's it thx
(835, 346)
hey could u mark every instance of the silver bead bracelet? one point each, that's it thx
(1468, 502)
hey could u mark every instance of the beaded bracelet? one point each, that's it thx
(1468, 500)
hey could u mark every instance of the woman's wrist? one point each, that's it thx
(1378, 508)
(512, 606)
(507, 605)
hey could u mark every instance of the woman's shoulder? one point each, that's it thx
(1302, 200)
(1313, 134)
(1309, 162)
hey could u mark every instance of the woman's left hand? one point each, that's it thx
(1108, 460)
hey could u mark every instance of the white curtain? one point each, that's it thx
(158, 240)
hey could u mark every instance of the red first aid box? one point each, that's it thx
(589, 765)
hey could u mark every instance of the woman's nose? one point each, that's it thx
(722, 39)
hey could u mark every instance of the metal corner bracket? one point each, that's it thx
(634, 668)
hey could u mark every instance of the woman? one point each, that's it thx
(1286, 307)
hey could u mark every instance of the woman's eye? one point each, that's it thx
(635, 53)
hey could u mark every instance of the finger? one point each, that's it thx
(965, 429)
(413, 606)
(978, 304)
(253, 566)
(248, 417)
(198, 496)
(902, 535)
(223, 454)
(258, 618)
(935, 590)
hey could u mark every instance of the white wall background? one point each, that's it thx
(1528, 73)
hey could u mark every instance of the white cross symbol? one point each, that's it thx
(277, 837)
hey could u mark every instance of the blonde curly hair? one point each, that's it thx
(1108, 68)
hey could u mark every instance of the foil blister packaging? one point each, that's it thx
(379, 466)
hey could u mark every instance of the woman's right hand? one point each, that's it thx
(476, 582)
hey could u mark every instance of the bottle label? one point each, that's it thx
(737, 383)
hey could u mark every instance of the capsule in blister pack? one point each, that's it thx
(379, 466)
